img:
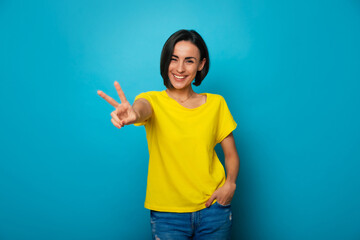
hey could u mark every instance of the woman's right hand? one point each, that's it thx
(124, 113)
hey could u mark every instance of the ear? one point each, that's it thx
(202, 64)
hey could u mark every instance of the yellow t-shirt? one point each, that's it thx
(184, 169)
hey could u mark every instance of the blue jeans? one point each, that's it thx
(213, 223)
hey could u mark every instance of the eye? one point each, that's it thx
(190, 61)
(173, 59)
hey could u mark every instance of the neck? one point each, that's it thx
(181, 94)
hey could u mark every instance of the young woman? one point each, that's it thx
(187, 191)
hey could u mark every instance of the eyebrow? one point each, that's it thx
(185, 58)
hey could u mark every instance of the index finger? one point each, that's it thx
(108, 99)
(120, 92)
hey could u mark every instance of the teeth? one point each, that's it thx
(178, 77)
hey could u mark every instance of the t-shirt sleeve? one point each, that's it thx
(146, 96)
(226, 123)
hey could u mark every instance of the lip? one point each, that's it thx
(179, 79)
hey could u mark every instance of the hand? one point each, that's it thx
(223, 195)
(124, 113)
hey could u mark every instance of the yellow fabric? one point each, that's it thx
(184, 169)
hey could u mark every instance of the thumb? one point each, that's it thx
(211, 199)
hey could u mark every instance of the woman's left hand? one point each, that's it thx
(223, 195)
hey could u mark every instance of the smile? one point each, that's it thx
(179, 77)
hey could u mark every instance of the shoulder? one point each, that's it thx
(216, 98)
(151, 96)
(151, 93)
(217, 101)
(154, 93)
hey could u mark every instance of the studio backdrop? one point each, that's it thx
(289, 72)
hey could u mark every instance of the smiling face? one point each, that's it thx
(185, 63)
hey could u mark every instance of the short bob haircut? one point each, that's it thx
(168, 49)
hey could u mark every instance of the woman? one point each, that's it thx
(187, 192)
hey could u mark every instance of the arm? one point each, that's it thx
(225, 193)
(143, 110)
(232, 162)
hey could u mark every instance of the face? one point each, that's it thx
(185, 63)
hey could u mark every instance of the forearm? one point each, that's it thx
(232, 165)
(143, 110)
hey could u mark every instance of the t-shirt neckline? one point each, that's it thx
(190, 109)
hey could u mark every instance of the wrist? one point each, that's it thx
(137, 115)
(230, 182)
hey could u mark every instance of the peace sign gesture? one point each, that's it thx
(124, 113)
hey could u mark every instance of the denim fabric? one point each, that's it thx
(213, 223)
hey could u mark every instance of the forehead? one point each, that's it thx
(186, 49)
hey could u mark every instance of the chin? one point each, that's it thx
(179, 86)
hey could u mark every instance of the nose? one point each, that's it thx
(180, 67)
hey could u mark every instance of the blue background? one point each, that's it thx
(289, 71)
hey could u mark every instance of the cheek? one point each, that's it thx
(194, 69)
(171, 67)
